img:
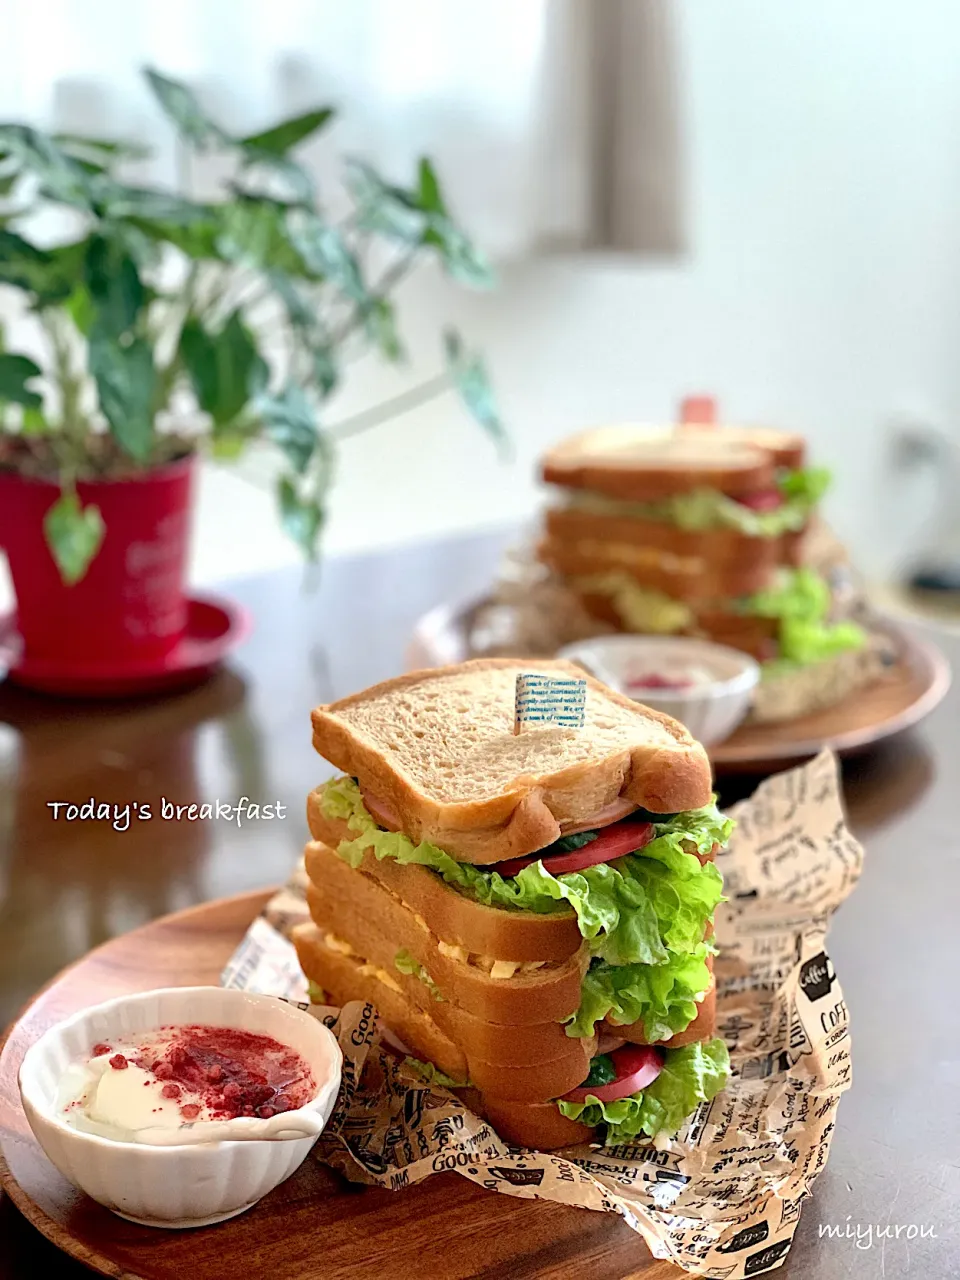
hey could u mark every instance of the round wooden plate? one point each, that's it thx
(908, 691)
(314, 1226)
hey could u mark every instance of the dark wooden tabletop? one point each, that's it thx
(65, 887)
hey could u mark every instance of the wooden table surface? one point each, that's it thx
(65, 887)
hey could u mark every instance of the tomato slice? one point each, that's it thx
(765, 500)
(612, 842)
(637, 1066)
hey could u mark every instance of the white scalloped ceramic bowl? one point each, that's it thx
(711, 710)
(190, 1184)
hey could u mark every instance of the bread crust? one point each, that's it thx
(452, 916)
(527, 816)
(786, 448)
(626, 463)
(689, 578)
(754, 635)
(715, 546)
(541, 1126)
(343, 978)
(351, 906)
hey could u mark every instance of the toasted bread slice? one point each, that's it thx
(786, 448)
(714, 547)
(633, 462)
(453, 917)
(687, 578)
(351, 905)
(347, 977)
(438, 748)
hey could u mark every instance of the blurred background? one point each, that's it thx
(757, 201)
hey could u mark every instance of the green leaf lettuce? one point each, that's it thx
(635, 910)
(800, 599)
(691, 1075)
(664, 997)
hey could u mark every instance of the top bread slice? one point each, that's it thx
(437, 748)
(643, 465)
(785, 447)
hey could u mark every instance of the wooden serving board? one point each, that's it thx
(902, 697)
(906, 693)
(315, 1226)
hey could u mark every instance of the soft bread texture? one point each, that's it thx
(453, 917)
(632, 462)
(686, 577)
(347, 978)
(438, 746)
(715, 547)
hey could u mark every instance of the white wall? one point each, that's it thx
(820, 291)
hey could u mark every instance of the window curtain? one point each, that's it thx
(553, 122)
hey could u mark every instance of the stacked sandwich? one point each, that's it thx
(530, 913)
(698, 531)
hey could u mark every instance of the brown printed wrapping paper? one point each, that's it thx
(724, 1199)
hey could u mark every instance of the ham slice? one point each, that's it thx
(383, 814)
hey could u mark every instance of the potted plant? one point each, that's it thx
(161, 326)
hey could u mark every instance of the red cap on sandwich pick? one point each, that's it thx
(699, 411)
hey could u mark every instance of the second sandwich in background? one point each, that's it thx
(531, 914)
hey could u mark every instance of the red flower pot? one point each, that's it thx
(130, 607)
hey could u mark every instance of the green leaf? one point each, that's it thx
(225, 368)
(22, 264)
(302, 517)
(181, 106)
(290, 423)
(199, 239)
(288, 133)
(429, 197)
(114, 283)
(61, 177)
(156, 206)
(15, 373)
(32, 422)
(691, 1075)
(663, 997)
(112, 148)
(325, 368)
(380, 323)
(460, 258)
(326, 253)
(469, 374)
(254, 233)
(383, 208)
(125, 378)
(74, 535)
(624, 908)
(81, 310)
(301, 312)
(299, 183)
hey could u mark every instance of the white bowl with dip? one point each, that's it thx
(707, 687)
(193, 1174)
